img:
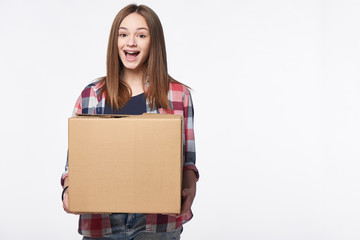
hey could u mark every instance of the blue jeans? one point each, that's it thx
(133, 227)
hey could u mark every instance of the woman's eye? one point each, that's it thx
(122, 35)
(141, 36)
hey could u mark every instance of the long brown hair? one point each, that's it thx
(117, 91)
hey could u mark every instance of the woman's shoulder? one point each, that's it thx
(92, 88)
(95, 84)
(179, 87)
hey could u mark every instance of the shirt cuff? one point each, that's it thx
(65, 175)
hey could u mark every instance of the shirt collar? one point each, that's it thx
(98, 85)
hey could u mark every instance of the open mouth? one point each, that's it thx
(131, 54)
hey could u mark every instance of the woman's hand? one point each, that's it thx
(188, 195)
(66, 201)
(188, 191)
(66, 196)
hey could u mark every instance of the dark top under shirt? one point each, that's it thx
(135, 106)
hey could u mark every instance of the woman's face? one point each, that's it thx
(134, 41)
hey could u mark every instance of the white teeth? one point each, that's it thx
(130, 52)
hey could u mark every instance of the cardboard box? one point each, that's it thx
(125, 164)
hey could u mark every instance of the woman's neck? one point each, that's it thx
(135, 81)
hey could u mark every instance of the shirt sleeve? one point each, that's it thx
(189, 143)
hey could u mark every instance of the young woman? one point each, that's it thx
(137, 81)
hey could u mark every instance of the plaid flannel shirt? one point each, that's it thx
(91, 102)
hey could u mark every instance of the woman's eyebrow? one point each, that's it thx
(142, 28)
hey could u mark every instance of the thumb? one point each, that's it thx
(185, 192)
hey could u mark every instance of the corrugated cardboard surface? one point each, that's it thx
(131, 164)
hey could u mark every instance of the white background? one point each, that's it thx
(276, 88)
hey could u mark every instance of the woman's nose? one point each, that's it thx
(132, 41)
